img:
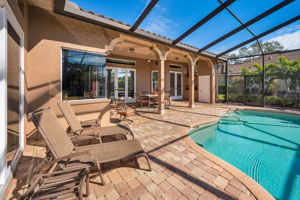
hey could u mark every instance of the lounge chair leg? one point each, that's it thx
(147, 159)
(100, 173)
(87, 190)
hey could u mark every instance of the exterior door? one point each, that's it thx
(204, 89)
(121, 83)
(12, 93)
(130, 85)
(176, 83)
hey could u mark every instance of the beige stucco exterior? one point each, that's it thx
(47, 33)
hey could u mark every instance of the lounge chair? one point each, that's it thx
(60, 145)
(63, 184)
(94, 130)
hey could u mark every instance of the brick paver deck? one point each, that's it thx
(179, 171)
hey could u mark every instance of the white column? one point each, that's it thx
(161, 87)
(192, 85)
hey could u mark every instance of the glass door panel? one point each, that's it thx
(176, 85)
(131, 85)
(179, 85)
(154, 83)
(172, 83)
(121, 83)
(111, 83)
(13, 92)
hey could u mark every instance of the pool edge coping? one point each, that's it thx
(258, 191)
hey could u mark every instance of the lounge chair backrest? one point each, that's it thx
(70, 116)
(52, 132)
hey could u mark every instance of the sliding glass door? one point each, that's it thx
(121, 83)
(12, 93)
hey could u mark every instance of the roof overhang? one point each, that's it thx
(67, 8)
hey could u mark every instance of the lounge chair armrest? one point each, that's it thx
(78, 168)
(72, 155)
(125, 126)
(91, 123)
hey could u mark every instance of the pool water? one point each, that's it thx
(264, 145)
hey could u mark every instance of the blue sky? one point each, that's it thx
(171, 18)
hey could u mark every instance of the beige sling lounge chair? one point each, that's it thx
(92, 131)
(60, 145)
(62, 184)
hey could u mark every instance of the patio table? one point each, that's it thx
(150, 96)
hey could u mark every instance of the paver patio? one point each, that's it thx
(179, 172)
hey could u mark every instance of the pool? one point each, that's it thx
(264, 145)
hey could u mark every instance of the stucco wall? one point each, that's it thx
(48, 34)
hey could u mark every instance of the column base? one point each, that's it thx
(162, 112)
(192, 105)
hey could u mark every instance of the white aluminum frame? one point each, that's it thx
(126, 82)
(175, 80)
(61, 75)
(152, 79)
(6, 14)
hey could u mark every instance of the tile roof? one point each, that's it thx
(271, 58)
(140, 29)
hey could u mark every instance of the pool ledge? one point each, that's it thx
(256, 189)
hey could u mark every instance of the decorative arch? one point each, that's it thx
(113, 43)
(160, 52)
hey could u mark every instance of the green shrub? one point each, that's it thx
(280, 101)
(237, 98)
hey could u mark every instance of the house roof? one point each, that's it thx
(269, 58)
(68, 8)
(71, 9)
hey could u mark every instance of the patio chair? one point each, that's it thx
(142, 100)
(167, 99)
(125, 111)
(61, 146)
(92, 132)
(62, 184)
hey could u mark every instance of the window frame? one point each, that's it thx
(152, 79)
(61, 75)
(6, 170)
(126, 82)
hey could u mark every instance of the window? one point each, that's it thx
(83, 75)
(154, 81)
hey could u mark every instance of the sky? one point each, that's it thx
(171, 18)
